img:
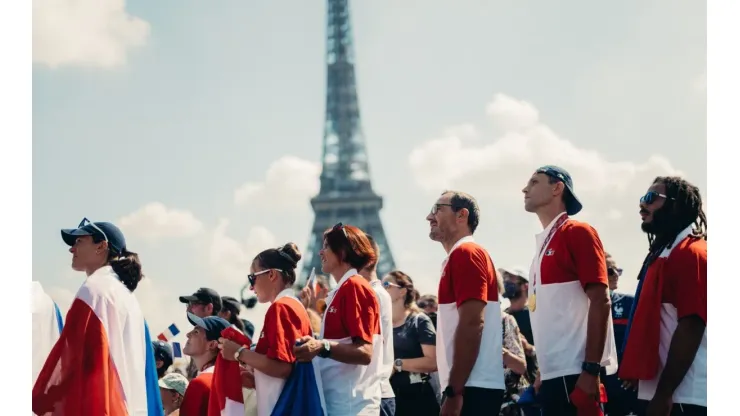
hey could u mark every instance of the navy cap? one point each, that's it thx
(163, 352)
(101, 231)
(231, 304)
(572, 205)
(212, 324)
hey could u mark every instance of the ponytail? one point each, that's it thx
(128, 268)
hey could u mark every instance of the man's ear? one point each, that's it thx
(463, 214)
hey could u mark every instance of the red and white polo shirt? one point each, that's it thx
(468, 273)
(684, 270)
(352, 310)
(286, 320)
(573, 258)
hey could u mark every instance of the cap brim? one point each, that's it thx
(188, 299)
(70, 235)
(195, 320)
(574, 205)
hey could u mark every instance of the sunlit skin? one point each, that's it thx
(331, 264)
(196, 343)
(88, 256)
(447, 226)
(544, 198)
(171, 400)
(267, 283)
(198, 309)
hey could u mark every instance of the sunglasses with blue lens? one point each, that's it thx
(651, 196)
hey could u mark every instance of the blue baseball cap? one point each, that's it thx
(212, 324)
(163, 352)
(572, 205)
(101, 231)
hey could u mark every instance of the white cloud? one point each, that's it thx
(700, 83)
(289, 182)
(155, 221)
(85, 33)
(229, 258)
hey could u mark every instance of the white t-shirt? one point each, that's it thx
(46, 325)
(386, 331)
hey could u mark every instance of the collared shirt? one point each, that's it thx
(386, 331)
(573, 258)
(352, 311)
(468, 273)
(286, 320)
(684, 273)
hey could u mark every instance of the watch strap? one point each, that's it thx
(239, 352)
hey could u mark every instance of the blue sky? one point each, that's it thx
(197, 128)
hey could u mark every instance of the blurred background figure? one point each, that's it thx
(230, 308)
(163, 357)
(172, 388)
(414, 349)
(515, 364)
(46, 325)
(428, 304)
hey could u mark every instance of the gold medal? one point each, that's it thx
(533, 302)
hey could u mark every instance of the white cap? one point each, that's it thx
(516, 271)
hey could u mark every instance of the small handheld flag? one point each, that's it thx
(176, 350)
(311, 282)
(169, 333)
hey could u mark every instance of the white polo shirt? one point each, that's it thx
(352, 310)
(684, 270)
(386, 331)
(468, 273)
(573, 258)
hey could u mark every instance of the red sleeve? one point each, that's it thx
(688, 277)
(360, 311)
(588, 255)
(195, 402)
(280, 336)
(470, 274)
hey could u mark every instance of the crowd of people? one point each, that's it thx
(567, 343)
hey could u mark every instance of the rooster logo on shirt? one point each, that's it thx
(618, 310)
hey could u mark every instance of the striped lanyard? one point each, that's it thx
(555, 227)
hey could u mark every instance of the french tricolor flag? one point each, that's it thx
(227, 398)
(168, 334)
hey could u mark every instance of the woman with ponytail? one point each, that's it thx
(414, 349)
(103, 362)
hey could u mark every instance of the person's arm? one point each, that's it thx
(358, 352)
(513, 352)
(467, 341)
(271, 367)
(427, 337)
(274, 353)
(599, 310)
(688, 274)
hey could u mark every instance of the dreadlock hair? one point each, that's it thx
(683, 207)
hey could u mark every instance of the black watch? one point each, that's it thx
(591, 368)
(450, 392)
(325, 352)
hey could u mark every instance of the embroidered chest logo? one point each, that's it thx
(262, 334)
(618, 310)
(332, 310)
(549, 252)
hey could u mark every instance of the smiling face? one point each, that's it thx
(330, 260)
(86, 254)
(540, 192)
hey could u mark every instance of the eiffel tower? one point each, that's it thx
(346, 194)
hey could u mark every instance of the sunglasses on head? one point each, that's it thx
(652, 196)
(340, 226)
(85, 222)
(615, 271)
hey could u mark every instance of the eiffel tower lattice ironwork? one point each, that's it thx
(346, 194)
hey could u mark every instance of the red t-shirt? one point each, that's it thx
(575, 253)
(285, 321)
(468, 274)
(195, 401)
(354, 312)
(685, 278)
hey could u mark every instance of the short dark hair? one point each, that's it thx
(460, 200)
(351, 245)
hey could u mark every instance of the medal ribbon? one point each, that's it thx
(555, 227)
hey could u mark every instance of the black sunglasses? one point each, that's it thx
(651, 196)
(615, 271)
(252, 277)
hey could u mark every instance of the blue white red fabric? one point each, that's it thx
(226, 397)
(46, 325)
(103, 363)
(169, 333)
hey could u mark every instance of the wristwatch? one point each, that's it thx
(398, 364)
(591, 368)
(450, 392)
(239, 352)
(326, 351)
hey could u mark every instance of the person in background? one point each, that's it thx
(469, 321)
(516, 286)
(46, 325)
(204, 302)
(202, 347)
(569, 299)
(286, 321)
(163, 357)
(414, 349)
(172, 388)
(230, 308)
(370, 273)
(515, 364)
(666, 339)
(428, 304)
(248, 328)
(350, 344)
(102, 363)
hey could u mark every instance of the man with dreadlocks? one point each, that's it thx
(666, 341)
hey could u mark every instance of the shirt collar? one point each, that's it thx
(288, 291)
(547, 229)
(350, 273)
